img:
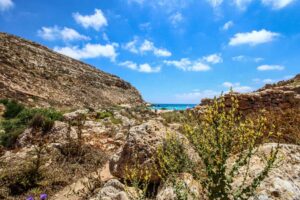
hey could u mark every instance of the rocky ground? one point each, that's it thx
(123, 138)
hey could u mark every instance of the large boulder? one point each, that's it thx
(185, 186)
(115, 190)
(283, 182)
(140, 148)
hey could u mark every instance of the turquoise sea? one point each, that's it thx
(172, 106)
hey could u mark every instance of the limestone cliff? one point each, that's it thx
(36, 75)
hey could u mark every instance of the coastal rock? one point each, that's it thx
(283, 95)
(38, 76)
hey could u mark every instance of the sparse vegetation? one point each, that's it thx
(17, 118)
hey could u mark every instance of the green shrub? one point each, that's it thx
(12, 108)
(42, 119)
(103, 115)
(172, 158)
(220, 134)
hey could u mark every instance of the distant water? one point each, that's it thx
(172, 106)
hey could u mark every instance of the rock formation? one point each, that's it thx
(283, 95)
(38, 76)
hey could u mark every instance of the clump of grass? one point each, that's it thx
(17, 118)
(12, 108)
(104, 115)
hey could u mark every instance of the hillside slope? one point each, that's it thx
(36, 75)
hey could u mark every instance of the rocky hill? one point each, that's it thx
(282, 95)
(38, 76)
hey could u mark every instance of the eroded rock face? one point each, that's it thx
(283, 95)
(37, 76)
(283, 182)
(140, 148)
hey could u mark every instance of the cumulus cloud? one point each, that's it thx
(237, 87)
(56, 33)
(253, 38)
(146, 46)
(186, 64)
(270, 67)
(196, 96)
(95, 21)
(242, 58)
(227, 25)
(131, 46)
(148, 69)
(89, 51)
(176, 18)
(6, 5)
(213, 58)
(145, 68)
(277, 4)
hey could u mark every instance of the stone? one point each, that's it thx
(140, 148)
(115, 190)
(191, 188)
(283, 181)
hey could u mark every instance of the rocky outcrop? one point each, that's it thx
(38, 76)
(141, 147)
(283, 95)
(283, 182)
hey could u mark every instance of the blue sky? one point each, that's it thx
(172, 51)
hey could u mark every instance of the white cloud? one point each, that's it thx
(196, 96)
(268, 81)
(242, 58)
(131, 46)
(129, 64)
(186, 65)
(146, 46)
(89, 51)
(146, 68)
(237, 87)
(176, 18)
(6, 5)
(270, 67)
(56, 33)
(253, 38)
(213, 58)
(162, 52)
(95, 21)
(277, 4)
(215, 3)
(242, 4)
(227, 25)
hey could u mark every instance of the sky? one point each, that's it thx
(172, 51)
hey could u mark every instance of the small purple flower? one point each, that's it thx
(43, 196)
(30, 198)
